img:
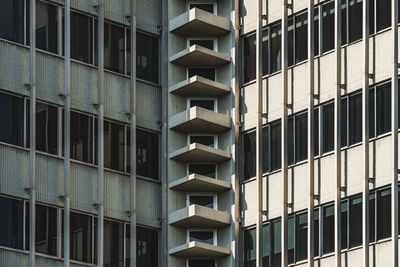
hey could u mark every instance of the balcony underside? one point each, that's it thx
(199, 216)
(199, 250)
(199, 86)
(200, 154)
(199, 183)
(198, 56)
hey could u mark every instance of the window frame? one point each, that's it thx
(205, 194)
(188, 3)
(189, 99)
(215, 144)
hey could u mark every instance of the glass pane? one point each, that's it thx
(275, 146)
(113, 244)
(203, 103)
(316, 232)
(46, 27)
(383, 218)
(301, 50)
(301, 237)
(81, 237)
(208, 73)
(316, 31)
(202, 139)
(276, 48)
(355, 222)
(265, 50)
(301, 137)
(344, 207)
(46, 128)
(11, 223)
(290, 143)
(383, 107)
(114, 41)
(328, 229)
(114, 142)
(249, 150)
(81, 37)
(12, 119)
(265, 149)
(355, 20)
(344, 21)
(343, 122)
(205, 7)
(146, 247)
(328, 28)
(204, 43)
(81, 137)
(372, 223)
(276, 244)
(355, 119)
(291, 234)
(12, 20)
(316, 132)
(249, 58)
(290, 42)
(205, 201)
(208, 170)
(202, 236)
(250, 248)
(383, 14)
(327, 127)
(371, 113)
(203, 263)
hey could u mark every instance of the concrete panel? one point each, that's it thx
(11, 258)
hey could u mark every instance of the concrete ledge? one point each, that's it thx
(199, 250)
(198, 56)
(197, 119)
(199, 183)
(199, 86)
(197, 22)
(200, 154)
(198, 216)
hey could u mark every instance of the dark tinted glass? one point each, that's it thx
(46, 128)
(316, 232)
(275, 146)
(355, 119)
(355, 222)
(301, 137)
(113, 244)
(328, 28)
(81, 37)
(291, 237)
(266, 229)
(46, 27)
(208, 73)
(301, 237)
(327, 127)
(206, 140)
(383, 217)
(344, 207)
(383, 14)
(208, 170)
(204, 43)
(12, 20)
(146, 247)
(371, 113)
(114, 141)
(81, 237)
(249, 58)
(343, 121)
(250, 248)
(290, 42)
(328, 230)
(344, 21)
(290, 143)
(249, 153)
(372, 211)
(265, 51)
(383, 107)
(316, 31)
(276, 244)
(301, 38)
(265, 149)
(202, 263)
(12, 119)
(202, 236)
(316, 132)
(81, 137)
(371, 17)
(114, 41)
(206, 201)
(205, 7)
(11, 223)
(355, 20)
(275, 48)
(203, 103)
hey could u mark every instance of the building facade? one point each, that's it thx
(214, 133)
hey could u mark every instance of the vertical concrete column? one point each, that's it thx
(67, 127)
(133, 135)
(284, 135)
(337, 134)
(259, 72)
(100, 135)
(310, 134)
(395, 147)
(365, 125)
(32, 135)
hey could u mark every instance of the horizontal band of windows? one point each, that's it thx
(351, 229)
(351, 130)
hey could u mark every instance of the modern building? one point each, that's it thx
(214, 133)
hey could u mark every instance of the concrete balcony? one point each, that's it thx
(199, 183)
(199, 250)
(200, 154)
(197, 119)
(199, 86)
(199, 216)
(197, 22)
(198, 56)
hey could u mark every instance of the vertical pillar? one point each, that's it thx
(100, 135)
(365, 125)
(67, 127)
(133, 135)
(32, 135)
(259, 72)
(310, 134)
(338, 44)
(395, 148)
(284, 135)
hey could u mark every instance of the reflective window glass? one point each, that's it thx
(301, 32)
(383, 14)
(355, 119)
(81, 237)
(355, 20)
(383, 217)
(249, 58)
(12, 119)
(12, 20)
(205, 169)
(328, 229)
(328, 28)
(11, 223)
(275, 64)
(202, 236)
(383, 107)
(327, 128)
(355, 222)
(275, 146)
(46, 27)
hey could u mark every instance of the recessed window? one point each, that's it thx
(301, 33)
(290, 142)
(207, 140)
(316, 31)
(328, 229)
(275, 64)
(291, 234)
(202, 236)
(316, 232)
(208, 73)
(81, 137)
(355, 119)
(146, 245)
(81, 37)
(290, 42)
(383, 218)
(355, 20)
(46, 128)
(202, 200)
(343, 8)
(383, 108)
(203, 103)
(328, 28)
(275, 146)
(113, 254)
(371, 113)
(12, 20)
(301, 137)
(276, 244)
(327, 127)
(12, 118)
(265, 148)
(202, 42)
(206, 169)
(46, 27)
(372, 223)
(81, 234)
(205, 7)
(301, 237)
(355, 221)
(316, 132)
(344, 208)
(201, 263)
(11, 223)
(249, 58)
(343, 121)
(383, 14)
(249, 153)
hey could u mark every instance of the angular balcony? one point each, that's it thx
(197, 22)
(199, 86)
(198, 56)
(199, 183)
(200, 154)
(198, 119)
(199, 250)
(198, 216)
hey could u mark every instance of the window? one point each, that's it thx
(81, 37)
(146, 246)
(371, 113)
(383, 108)
(250, 247)
(355, 119)
(275, 64)
(113, 244)
(327, 128)
(46, 128)
(147, 57)
(344, 21)
(81, 137)
(301, 137)
(291, 237)
(316, 132)
(207, 140)
(265, 148)
(81, 237)
(355, 20)
(201, 263)
(208, 73)
(301, 38)
(249, 151)
(12, 20)
(266, 229)
(202, 42)
(46, 229)
(202, 200)
(46, 27)
(344, 208)
(205, 7)
(205, 169)
(316, 31)
(11, 223)
(290, 41)
(372, 210)
(328, 229)
(316, 233)
(276, 244)
(343, 121)
(275, 146)
(203, 103)
(383, 216)
(383, 14)
(290, 142)
(301, 237)
(249, 58)
(202, 236)
(12, 118)
(355, 221)
(147, 154)
(328, 28)
(265, 50)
